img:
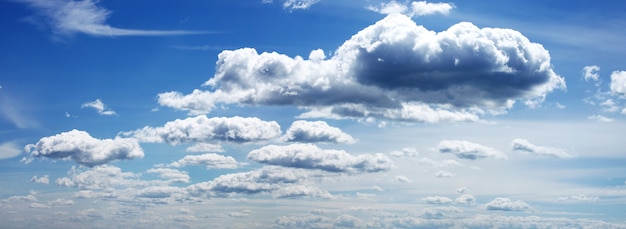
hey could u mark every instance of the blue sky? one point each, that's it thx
(312, 113)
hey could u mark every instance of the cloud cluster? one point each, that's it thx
(318, 131)
(469, 150)
(505, 204)
(67, 17)
(281, 182)
(204, 129)
(210, 160)
(99, 106)
(309, 156)
(80, 147)
(414, 9)
(525, 146)
(393, 69)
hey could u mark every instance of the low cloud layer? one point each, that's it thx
(469, 150)
(393, 69)
(203, 129)
(309, 156)
(80, 147)
(524, 145)
(318, 131)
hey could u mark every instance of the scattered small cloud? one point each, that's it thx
(9, 150)
(209, 160)
(591, 73)
(171, 175)
(580, 197)
(505, 204)
(465, 200)
(601, 118)
(405, 152)
(41, 180)
(444, 174)
(99, 106)
(524, 145)
(317, 131)
(403, 179)
(412, 9)
(469, 150)
(292, 5)
(618, 83)
(436, 200)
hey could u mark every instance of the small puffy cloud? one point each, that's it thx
(160, 192)
(101, 177)
(465, 199)
(403, 179)
(9, 150)
(68, 17)
(505, 204)
(414, 9)
(469, 150)
(461, 190)
(172, 175)
(618, 82)
(99, 106)
(295, 4)
(524, 145)
(405, 152)
(600, 118)
(205, 148)
(444, 174)
(210, 160)
(309, 156)
(436, 200)
(317, 131)
(41, 180)
(281, 182)
(591, 73)
(80, 147)
(392, 70)
(204, 129)
(446, 163)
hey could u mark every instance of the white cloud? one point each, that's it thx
(600, 118)
(505, 204)
(461, 190)
(436, 200)
(591, 73)
(99, 106)
(393, 69)
(309, 156)
(41, 180)
(525, 146)
(295, 4)
(580, 197)
(172, 175)
(446, 163)
(405, 152)
(210, 160)
(609, 105)
(318, 131)
(414, 9)
(103, 177)
(465, 199)
(71, 17)
(203, 129)
(80, 147)
(469, 150)
(444, 174)
(403, 179)
(205, 148)
(618, 82)
(282, 182)
(9, 150)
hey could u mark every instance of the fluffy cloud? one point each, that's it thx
(444, 174)
(436, 200)
(600, 118)
(405, 152)
(525, 146)
(70, 17)
(393, 69)
(465, 199)
(282, 182)
(318, 131)
(203, 129)
(309, 156)
(172, 175)
(414, 9)
(80, 147)
(98, 178)
(99, 106)
(469, 150)
(205, 147)
(505, 204)
(618, 82)
(41, 180)
(210, 160)
(580, 197)
(591, 73)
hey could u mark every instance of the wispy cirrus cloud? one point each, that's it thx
(68, 18)
(292, 5)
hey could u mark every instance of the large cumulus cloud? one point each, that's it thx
(204, 129)
(385, 71)
(80, 147)
(309, 156)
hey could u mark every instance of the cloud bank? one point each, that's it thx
(393, 70)
(309, 156)
(83, 149)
